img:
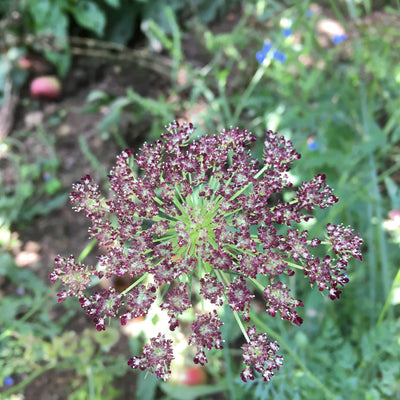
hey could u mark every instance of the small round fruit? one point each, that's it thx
(48, 87)
(193, 376)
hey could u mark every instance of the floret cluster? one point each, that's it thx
(185, 211)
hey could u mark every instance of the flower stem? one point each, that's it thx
(224, 281)
(142, 278)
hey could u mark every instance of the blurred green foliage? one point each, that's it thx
(28, 178)
(46, 25)
(342, 97)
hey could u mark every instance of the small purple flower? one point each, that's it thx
(278, 299)
(101, 305)
(156, 357)
(287, 32)
(312, 144)
(260, 56)
(138, 301)
(212, 289)
(176, 301)
(339, 38)
(279, 56)
(8, 381)
(309, 13)
(260, 354)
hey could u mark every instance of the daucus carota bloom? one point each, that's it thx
(203, 214)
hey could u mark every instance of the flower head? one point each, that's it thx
(339, 38)
(309, 13)
(312, 144)
(260, 353)
(260, 56)
(156, 357)
(204, 214)
(287, 32)
(8, 381)
(279, 56)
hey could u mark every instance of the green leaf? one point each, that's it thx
(121, 22)
(51, 21)
(89, 15)
(6, 262)
(146, 386)
(97, 95)
(106, 339)
(40, 10)
(113, 3)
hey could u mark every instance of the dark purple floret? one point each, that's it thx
(260, 353)
(212, 289)
(176, 301)
(239, 297)
(102, 305)
(156, 357)
(206, 335)
(278, 299)
(138, 302)
(74, 276)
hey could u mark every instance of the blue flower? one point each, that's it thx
(287, 32)
(339, 38)
(279, 56)
(312, 144)
(309, 13)
(260, 56)
(8, 381)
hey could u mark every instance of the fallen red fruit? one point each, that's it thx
(48, 87)
(192, 376)
(24, 62)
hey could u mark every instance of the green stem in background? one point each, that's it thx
(86, 251)
(176, 49)
(372, 262)
(94, 162)
(228, 363)
(142, 278)
(246, 94)
(359, 194)
(264, 327)
(222, 78)
(395, 285)
(89, 374)
(375, 193)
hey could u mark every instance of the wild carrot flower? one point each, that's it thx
(204, 214)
